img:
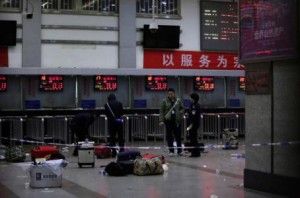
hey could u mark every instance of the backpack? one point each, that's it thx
(114, 169)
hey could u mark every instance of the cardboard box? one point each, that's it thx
(43, 176)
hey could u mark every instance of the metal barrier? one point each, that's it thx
(209, 125)
(135, 127)
(99, 128)
(241, 123)
(154, 130)
(140, 127)
(57, 128)
(11, 128)
(35, 128)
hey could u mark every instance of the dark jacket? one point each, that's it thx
(82, 121)
(117, 109)
(165, 108)
(194, 115)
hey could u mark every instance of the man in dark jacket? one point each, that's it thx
(114, 112)
(170, 115)
(80, 127)
(193, 124)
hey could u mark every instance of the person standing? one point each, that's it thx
(79, 126)
(171, 112)
(193, 124)
(114, 112)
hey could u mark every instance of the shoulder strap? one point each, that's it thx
(110, 110)
(173, 106)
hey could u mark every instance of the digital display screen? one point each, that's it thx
(219, 26)
(3, 83)
(156, 83)
(242, 83)
(51, 83)
(105, 83)
(268, 30)
(204, 83)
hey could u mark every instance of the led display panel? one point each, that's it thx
(242, 83)
(105, 83)
(219, 26)
(51, 83)
(156, 83)
(3, 83)
(204, 83)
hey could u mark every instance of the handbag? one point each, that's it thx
(153, 166)
(118, 120)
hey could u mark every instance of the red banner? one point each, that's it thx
(3, 57)
(168, 59)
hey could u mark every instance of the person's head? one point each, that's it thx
(171, 93)
(111, 97)
(194, 97)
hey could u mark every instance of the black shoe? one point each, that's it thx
(195, 155)
(75, 154)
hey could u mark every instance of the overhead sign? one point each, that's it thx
(173, 59)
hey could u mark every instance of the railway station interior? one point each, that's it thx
(60, 58)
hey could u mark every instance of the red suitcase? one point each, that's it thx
(43, 151)
(102, 151)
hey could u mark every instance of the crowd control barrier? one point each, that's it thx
(99, 128)
(11, 128)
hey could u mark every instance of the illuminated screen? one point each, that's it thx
(3, 83)
(242, 83)
(268, 29)
(51, 83)
(204, 83)
(105, 83)
(219, 26)
(156, 83)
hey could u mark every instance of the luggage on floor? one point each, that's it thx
(127, 166)
(128, 155)
(47, 174)
(43, 151)
(15, 154)
(102, 151)
(86, 154)
(114, 169)
(151, 166)
(150, 156)
(230, 138)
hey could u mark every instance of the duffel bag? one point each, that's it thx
(151, 166)
(128, 155)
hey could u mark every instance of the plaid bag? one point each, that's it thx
(151, 166)
(15, 154)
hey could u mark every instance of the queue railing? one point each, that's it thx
(11, 130)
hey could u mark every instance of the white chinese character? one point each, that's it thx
(204, 61)
(186, 60)
(222, 61)
(168, 59)
(237, 64)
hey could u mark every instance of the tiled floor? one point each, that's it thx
(214, 174)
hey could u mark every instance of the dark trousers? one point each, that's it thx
(81, 135)
(173, 130)
(116, 129)
(194, 142)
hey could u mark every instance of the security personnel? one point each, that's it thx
(193, 124)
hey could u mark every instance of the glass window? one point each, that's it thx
(10, 5)
(161, 7)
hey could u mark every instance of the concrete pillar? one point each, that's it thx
(31, 34)
(127, 34)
